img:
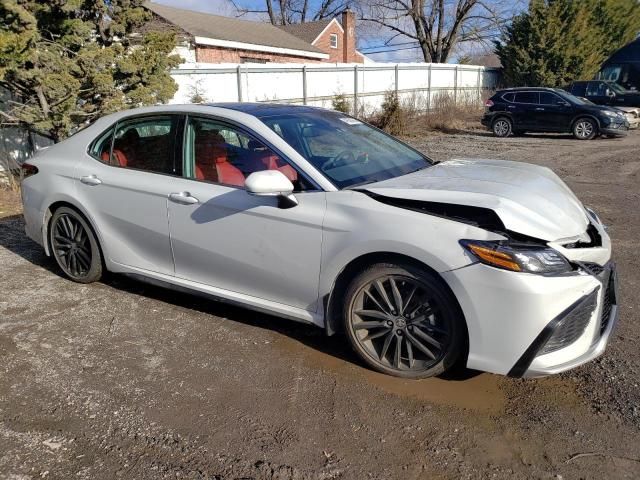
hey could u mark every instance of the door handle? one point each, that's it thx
(511, 106)
(539, 109)
(91, 180)
(184, 198)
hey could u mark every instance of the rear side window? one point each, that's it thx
(578, 89)
(147, 143)
(508, 97)
(596, 89)
(527, 97)
(101, 148)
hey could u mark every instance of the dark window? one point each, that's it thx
(548, 98)
(579, 88)
(527, 97)
(333, 39)
(252, 60)
(219, 153)
(147, 143)
(596, 89)
(509, 97)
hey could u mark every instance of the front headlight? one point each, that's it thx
(518, 258)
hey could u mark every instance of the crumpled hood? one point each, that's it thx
(529, 199)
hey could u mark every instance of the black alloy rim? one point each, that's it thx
(71, 245)
(398, 324)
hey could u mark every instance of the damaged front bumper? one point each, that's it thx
(528, 325)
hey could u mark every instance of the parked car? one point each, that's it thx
(521, 110)
(603, 92)
(313, 215)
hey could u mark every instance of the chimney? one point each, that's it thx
(349, 40)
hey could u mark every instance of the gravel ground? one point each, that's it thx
(124, 380)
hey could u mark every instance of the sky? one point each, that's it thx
(371, 38)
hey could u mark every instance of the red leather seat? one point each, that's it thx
(212, 162)
(273, 162)
(119, 157)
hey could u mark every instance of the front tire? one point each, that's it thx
(403, 321)
(502, 127)
(74, 246)
(585, 129)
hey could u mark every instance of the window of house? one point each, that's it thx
(333, 39)
(219, 153)
(146, 143)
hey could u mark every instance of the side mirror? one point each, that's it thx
(271, 183)
(562, 103)
(610, 93)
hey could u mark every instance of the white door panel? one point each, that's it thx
(246, 244)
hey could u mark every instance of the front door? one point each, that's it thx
(125, 187)
(226, 238)
(554, 112)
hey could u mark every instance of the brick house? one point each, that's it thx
(205, 38)
(337, 39)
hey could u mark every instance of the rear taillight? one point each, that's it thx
(488, 103)
(28, 170)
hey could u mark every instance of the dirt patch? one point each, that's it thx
(10, 203)
(124, 380)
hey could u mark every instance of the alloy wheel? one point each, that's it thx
(71, 246)
(501, 128)
(584, 129)
(398, 325)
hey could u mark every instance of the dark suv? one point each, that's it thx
(520, 110)
(604, 92)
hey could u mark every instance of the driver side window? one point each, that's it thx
(219, 153)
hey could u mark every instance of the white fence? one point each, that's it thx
(364, 84)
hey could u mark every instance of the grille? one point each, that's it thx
(572, 325)
(607, 302)
(593, 268)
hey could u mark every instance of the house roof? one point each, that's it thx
(232, 32)
(307, 31)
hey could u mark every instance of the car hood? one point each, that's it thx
(529, 199)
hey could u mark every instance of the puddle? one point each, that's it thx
(480, 393)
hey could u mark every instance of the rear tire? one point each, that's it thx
(74, 246)
(585, 129)
(402, 320)
(502, 127)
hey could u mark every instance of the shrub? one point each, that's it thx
(341, 103)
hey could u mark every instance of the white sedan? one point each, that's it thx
(312, 215)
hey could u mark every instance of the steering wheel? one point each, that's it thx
(343, 158)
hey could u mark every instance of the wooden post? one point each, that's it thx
(355, 90)
(304, 84)
(239, 76)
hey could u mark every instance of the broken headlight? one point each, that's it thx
(518, 258)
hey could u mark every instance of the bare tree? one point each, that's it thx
(286, 12)
(438, 26)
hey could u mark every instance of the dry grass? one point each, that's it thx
(412, 116)
(10, 203)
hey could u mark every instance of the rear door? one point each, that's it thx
(125, 185)
(523, 110)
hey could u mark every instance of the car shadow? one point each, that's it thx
(13, 238)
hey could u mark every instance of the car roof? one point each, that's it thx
(529, 89)
(265, 109)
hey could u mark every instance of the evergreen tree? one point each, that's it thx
(557, 41)
(71, 61)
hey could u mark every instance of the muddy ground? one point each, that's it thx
(123, 380)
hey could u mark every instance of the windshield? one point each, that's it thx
(572, 98)
(347, 151)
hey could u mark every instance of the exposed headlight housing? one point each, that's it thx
(518, 258)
